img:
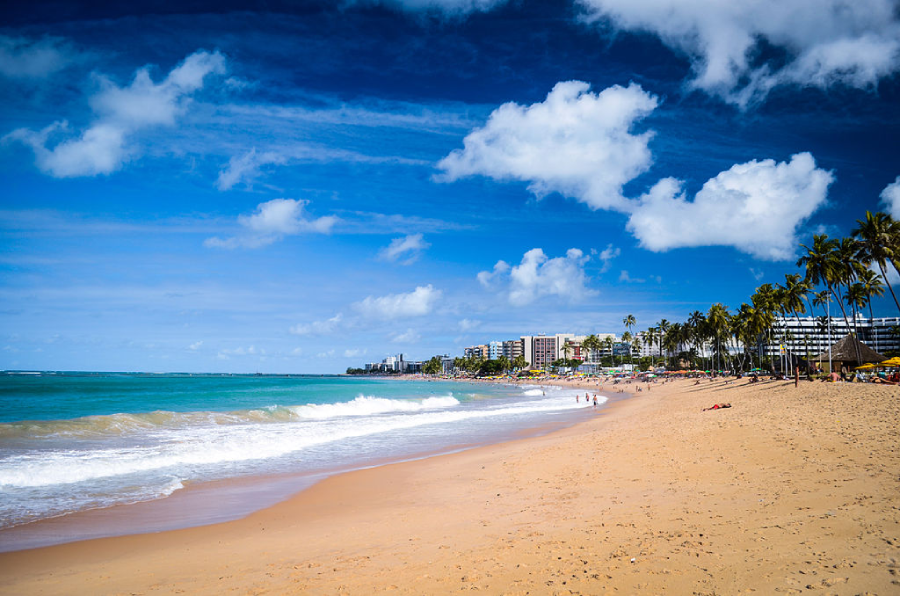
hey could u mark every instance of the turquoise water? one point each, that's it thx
(71, 442)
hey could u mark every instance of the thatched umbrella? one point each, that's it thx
(845, 352)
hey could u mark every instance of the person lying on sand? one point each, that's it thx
(716, 407)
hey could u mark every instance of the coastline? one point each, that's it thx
(788, 490)
(236, 497)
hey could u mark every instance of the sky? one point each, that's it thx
(196, 186)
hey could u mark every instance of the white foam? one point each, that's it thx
(368, 406)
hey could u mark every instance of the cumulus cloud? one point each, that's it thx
(890, 198)
(318, 327)
(354, 352)
(729, 44)
(411, 246)
(486, 278)
(23, 58)
(538, 276)
(244, 169)
(576, 143)
(120, 112)
(272, 221)
(755, 207)
(420, 301)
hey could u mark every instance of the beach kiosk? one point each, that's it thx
(844, 354)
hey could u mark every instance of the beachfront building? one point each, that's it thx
(495, 350)
(539, 350)
(512, 349)
(479, 351)
(882, 334)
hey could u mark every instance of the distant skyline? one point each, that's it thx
(205, 188)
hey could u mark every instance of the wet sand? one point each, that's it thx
(790, 490)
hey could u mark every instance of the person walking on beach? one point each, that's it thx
(595, 400)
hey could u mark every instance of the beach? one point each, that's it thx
(790, 490)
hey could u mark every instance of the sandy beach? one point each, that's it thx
(791, 490)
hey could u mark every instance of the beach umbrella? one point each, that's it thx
(866, 367)
(895, 361)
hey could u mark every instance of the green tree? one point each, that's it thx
(873, 287)
(718, 320)
(829, 262)
(877, 237)
(793, 296)
(590, 345)
(434, 366)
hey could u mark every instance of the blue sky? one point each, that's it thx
(198, 187)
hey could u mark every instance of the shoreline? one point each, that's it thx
(188, 507)
(788, 490)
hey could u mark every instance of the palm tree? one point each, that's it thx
(856, 298)
(650, 336)
(590, 344)
(830, 262)
(877, 237)
(566, 350)
(626, 339)
(873, 287)
(629, 321)
(662, 327)
(608, 344)
(717, 319)
(697, 329)
(795, 290)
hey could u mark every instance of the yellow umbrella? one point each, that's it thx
(895, 361)
(865, 367)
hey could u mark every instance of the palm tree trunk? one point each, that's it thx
(884, 276)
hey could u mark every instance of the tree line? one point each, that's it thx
(831, 271)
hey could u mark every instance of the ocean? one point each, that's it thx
(78, 442)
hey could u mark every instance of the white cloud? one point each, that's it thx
(244, 169)
(272, 221)
(467, 324)
(226, 354)
(890, 198)
(537, 276)
(103, 147)
(819, 42)
(318, 327)
(625, 277)
(419, 302)
(407, 337)
(486, 278)
(755, 207)
(22, 58)
(576, 143)
(196, 345)
(412, 245)
(607, 255)
(354, 353)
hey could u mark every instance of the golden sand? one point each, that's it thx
(792, 490)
